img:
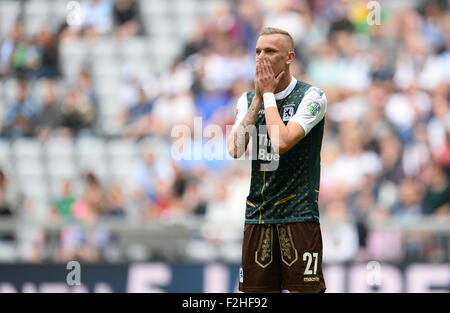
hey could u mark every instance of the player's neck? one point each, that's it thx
(284, 82)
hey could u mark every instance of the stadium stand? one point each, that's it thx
(88, 101)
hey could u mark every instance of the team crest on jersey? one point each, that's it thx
(288, 112)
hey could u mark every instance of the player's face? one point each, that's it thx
(276, 49)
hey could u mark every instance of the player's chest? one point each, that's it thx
(286, 109)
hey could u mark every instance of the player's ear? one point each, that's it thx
(290, 57)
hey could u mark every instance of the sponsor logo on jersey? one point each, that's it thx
(313, 108)
(311, 279)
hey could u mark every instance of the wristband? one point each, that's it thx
(269, 100)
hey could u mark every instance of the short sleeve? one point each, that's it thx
(241, 109)
(311, 110)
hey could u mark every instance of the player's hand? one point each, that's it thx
(265, 79)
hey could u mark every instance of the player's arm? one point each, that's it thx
(239, 136)
(283, 137)
(310, 111)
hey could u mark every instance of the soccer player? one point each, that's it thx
(282, 244)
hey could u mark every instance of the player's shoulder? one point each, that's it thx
(309, 89)
(314, 100)
(246, 98)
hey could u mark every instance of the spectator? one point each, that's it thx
(76, 112)
(139, 121)
(150, 176)
(48, 56)
(198, 40)
(384, 244)
(6, 209)
(91, 201)
(21, 113)
(284, 17)
(10, 203)
(49, 118)
(193, 200)
(354, 162)
(14, 52)
(390, 151)
(387, 130)
(405, 109)
(86, 87)
(97, 18)
(85, 243)
(115, 202)
(340, 237)
(86, 240)
(62, 208)
(79, 107)
(126, 18)
(250, 21)
(408, 207)
(439, 124)
(362, 203)
(437, 195)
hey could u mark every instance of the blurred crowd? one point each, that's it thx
(386, 149)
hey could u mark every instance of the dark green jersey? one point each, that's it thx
(290, 192)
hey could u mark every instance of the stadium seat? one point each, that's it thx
(154, 7)
(90, 147)
(33, 187)
(36, 14)
(28, 237)
(105, 68)
(120, 148)
(158, 25)
(5, 155)
(132, 48)
(24, 148)
(90, 156)
(107, 85)
(58, 149)
(10, 90)
(73, 57)
(121, 156)
(8, 252)
(110, 125)
(62, 169)
(30, 167)
(37, 8)
(164, 51)
(111, 103)
(9, 11)
(55, 187)
(58, 12)
(159, 146)
(103, 48)
(184, 7)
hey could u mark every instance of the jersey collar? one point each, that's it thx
(284, 93)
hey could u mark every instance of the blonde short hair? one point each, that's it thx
(273, 30)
